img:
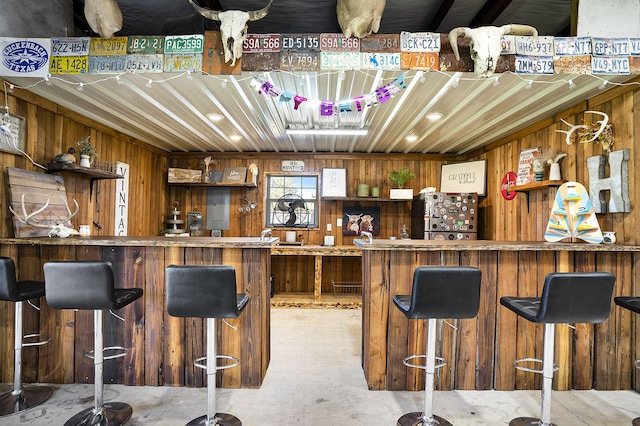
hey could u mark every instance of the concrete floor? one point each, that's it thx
(315, 379)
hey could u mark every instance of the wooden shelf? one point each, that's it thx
(74, 168)
(220, 184)
(363, 199)
(537, 185)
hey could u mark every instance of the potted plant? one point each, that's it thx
(399, 178)
(86, 151)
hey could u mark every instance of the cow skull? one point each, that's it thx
(59, 229)
(233, 27)
(359, 18)
(485, 44)
(103, 16)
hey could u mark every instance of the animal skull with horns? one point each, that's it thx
(359, 18)
(103, 16)
(485, 44)
(233, 27)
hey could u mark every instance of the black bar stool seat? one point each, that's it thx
(567, 297)
(631, 303)
(438, 292)
(90, 285)
(207, 291)
(21, 398)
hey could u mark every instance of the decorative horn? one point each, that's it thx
(27, 217)
(518, 29)
(255, 15)
(207, 13)
(454, 34)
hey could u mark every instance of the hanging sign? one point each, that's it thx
(508, 181)
(292, 166)
(121, 200)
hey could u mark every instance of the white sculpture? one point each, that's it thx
(103, 16)
(58, 229)
(359, 18)
(233, 27)
(485, 44)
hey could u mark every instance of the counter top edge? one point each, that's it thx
(487, 245)
(238, 242)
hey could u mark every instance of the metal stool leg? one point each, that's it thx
(212, 418)
(426, 418)
(111, 413)
(22, 398)
(547, 381)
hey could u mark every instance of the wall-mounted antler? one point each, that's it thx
(58, 229)
(589, 131)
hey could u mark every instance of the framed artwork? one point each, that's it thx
(334, 182)
(13, 141)
(464, 177)
(234, 175)
(358, 219)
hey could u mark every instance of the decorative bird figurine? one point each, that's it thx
(66, 158)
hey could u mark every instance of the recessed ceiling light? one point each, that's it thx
(433, 116)
(215, 116)
(411, 138)
(235, 138)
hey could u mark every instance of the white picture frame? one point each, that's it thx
(13, 142)
(470, 176)
(334, 182)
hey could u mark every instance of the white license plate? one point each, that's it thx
(261, 43)
(572, 46)
(534, 64)
(610, 46)
(184, 44)
(339, 60)
(107, 64)
(419, 42)
(183, 63)
(534, 46)
(70, 46)
(145, 63)
(634, 46)
(508, 43)
(610, 65)
(338, 43)
(380, 61)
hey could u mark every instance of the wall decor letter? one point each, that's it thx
(617, 183)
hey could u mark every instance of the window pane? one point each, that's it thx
(299, 203)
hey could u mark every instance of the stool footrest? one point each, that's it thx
(198, 362)
(124, 352)
(46, 339)
(531, 370)
(441, 362)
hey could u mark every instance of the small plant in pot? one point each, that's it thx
(86, 151)
(399, 178)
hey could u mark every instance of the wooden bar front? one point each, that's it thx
(480, 351)
(161, 348)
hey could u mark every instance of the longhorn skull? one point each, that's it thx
(233, 27)
(59, 229)
(103, 16)
(359, 18)
(485, 44)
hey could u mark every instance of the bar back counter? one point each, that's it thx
(161, 348)
(480, 351)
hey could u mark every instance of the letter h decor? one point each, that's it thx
(617, 183)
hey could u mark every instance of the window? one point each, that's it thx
(292, 201)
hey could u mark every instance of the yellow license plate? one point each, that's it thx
(69, 64)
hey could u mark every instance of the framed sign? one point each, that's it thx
(334, 182)
(464, 177)
(234, 175)
(13, 141)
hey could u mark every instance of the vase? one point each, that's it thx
(84, 161)
(554, 172)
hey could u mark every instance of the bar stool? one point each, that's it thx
(567, 297)
(11, 290)
(209, 292)
(438, 292)
(90, 285)
(633, 304)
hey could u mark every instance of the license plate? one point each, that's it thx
(380, 61)
(266, 61)
(420, 61)
(634, 46)
(338, 43)
(380, 43)
(300, 42)
(610, 46)
(508, 44)
(261, 43)
(300, 61)
(70, 46)
(114, 46)
(145, 63)
(534, 46)
(183, 63)
(339, 60)
(534, 64)
(572, 64)
(107, 64)
(610, 65)
(147, 45)
(184, 44)
(572, 46)
(69, 65)
(419, 42)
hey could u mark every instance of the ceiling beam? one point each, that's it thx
(444, 9)
(489, 13)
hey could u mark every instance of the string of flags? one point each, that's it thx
(332, 107)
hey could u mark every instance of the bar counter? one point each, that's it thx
(480, 351)
(161, 348)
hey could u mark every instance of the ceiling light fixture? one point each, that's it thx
(215, 116)
(411, 138)
(235, 138)
(433, 116)
(327, 132)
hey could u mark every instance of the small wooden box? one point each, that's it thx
(184, 175)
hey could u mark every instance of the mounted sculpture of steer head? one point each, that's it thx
(359, 18)
(103, 16)
(233, 27)
(485, 44)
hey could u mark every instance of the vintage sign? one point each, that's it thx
(339, 60)
(213, 57)
(508, 181)
(610, 65)
(292, 166)
(107, 64)
(534, 46)
(420, 61)
(300, 42)
(419, 42)
(69, 64)
(70, 46)
(183, 63)
(534, 64)
(147, 45)
(572, 46)
(338, 43)
(145, 63)
(261, 43)
(380, 43)
(610, 46)
(121, 204)
(184, 44)
(380, 61)
(25, 58)
(114, 46)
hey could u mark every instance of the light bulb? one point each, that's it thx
(602, 85)
(572, 85)
(455, 82)
(80, 87)
(47, 80)
(496, 81)
(119, 81)
(149, 83)
(223, 83)
(11, 86)
(189, 75)
(529, 84)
